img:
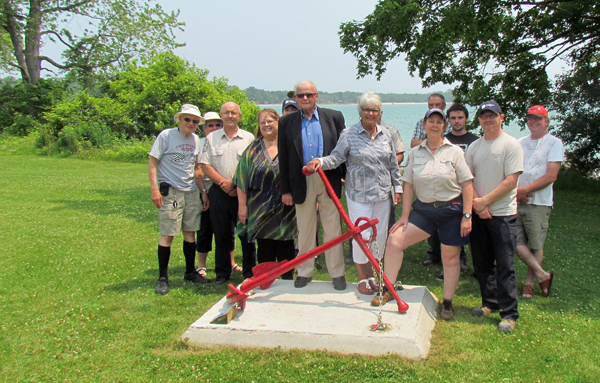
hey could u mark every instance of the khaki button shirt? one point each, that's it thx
(437, 177)
(222, 153)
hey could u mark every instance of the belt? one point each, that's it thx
(457, 200)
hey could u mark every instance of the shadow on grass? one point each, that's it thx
(133, 204)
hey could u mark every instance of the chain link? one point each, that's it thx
(374, 246)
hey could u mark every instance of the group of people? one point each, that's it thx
(493, 193)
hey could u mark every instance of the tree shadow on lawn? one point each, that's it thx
(133, 204)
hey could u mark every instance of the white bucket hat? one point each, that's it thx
(189, 109)
(212, 116)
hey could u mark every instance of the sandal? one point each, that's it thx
(373, 284)
(201, 271)
(235, 268)
(364, 287)
(547, 285)
(528, 291)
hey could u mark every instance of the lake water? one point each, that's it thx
(403, 117)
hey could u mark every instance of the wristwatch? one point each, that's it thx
(467, 215)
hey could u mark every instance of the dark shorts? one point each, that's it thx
(446, 220)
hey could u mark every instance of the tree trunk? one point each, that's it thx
(13, 29)
(32, 40)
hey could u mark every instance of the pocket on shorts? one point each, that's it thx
(168, 211)
(545, 225)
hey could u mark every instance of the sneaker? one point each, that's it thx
(162, 287)
(507, 325)
(481, 311)
(194, 277)
(339, 283)
(440, 277)
(447, 314)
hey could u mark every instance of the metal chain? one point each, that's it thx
(379, 325)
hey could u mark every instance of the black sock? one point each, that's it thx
(164, 253)
(189, 252)
(447, 304)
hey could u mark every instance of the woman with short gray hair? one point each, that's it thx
(368, 150)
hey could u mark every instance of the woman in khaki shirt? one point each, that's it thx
(440, 177)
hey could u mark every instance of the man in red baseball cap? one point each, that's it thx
(543, 156)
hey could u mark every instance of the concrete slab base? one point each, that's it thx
(317, 317)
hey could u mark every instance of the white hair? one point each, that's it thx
(367, 99)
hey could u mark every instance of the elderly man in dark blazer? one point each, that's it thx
(311, 133)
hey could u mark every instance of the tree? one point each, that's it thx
(113, 32)
(487, 49)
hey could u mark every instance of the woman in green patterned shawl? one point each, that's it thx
(261, 210)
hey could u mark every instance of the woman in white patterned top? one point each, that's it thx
(372, 178)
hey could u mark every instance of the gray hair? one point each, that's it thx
(308, 81)
(369, 98)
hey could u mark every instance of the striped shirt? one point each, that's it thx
(371, 164)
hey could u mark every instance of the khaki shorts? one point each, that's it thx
(179, 211)
(532, 225)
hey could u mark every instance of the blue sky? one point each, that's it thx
(273, 44)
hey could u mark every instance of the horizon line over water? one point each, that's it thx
(404, 117)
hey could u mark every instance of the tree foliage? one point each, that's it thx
(96, 35)
(141, 101)
(487, 49)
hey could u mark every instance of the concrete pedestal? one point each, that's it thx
(317, 317)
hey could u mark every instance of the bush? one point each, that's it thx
(21, 104)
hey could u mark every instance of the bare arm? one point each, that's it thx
(551, 175)
(509, 183)
(242, 207)
(226, 185)
(399, 157)
(467, 195)
(200, 183)
(155, 195)
(409, 192)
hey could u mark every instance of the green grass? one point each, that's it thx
(77, 301)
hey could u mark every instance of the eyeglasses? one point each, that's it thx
(213, 125)
(187, 119)
(305, 95)
(266, 122)
(367, 110)
(534, 118)
(488, 116)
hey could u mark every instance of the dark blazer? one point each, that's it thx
(291, 157)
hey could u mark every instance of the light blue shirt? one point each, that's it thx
(312, 137)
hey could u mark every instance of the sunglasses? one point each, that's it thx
(534, 118)
(213, 125)
(306, 95)
(187, 119)
(367, 110)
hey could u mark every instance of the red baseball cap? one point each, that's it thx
(539, 110)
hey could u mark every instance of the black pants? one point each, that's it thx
(223, 216)
(204, 236)
(271, 250)
(435, 249)
(493, 242)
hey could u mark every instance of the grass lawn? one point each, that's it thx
(77, 303)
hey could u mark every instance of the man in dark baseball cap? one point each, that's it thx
(489, 105)
(289, 106)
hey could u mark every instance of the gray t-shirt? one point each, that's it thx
(491, 162)
(177, 157)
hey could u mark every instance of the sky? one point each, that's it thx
(273, 44)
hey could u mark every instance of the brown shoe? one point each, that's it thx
(507, 325)
(386, 296)
(447, 314)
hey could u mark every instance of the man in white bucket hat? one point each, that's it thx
(176, 184)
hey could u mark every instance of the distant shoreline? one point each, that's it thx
(384, 103)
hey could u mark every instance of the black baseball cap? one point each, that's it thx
(489, 105)
(292, 102)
